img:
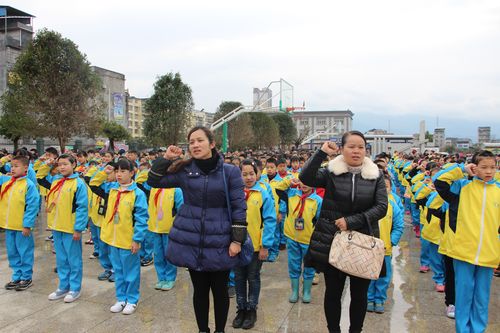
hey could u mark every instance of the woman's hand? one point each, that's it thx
(341, 223)
(263, 254)
(173, 152)
(330, 148)
(234, 249)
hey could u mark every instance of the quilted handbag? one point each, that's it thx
(357, 254)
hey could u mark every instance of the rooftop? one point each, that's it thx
(11, 11)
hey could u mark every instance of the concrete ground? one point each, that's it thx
(413, 305)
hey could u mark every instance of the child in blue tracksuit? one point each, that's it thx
(123, 229)
(304, 207)
(67, 216)
(261, 219)
(391, 228)
(164, 203)
(19, 205)
(473, 242)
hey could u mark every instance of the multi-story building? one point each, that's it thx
(16, 33)
(309, 122)
(483, 134)
(136, 115)
(263, 97)
(113, 94)
(439, 137)
(200, 118)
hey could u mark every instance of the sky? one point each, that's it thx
(392, 63)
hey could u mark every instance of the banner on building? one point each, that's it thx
(118, 106)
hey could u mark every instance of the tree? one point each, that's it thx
(56, 88)
(287, 128)
(302, 135)
(265, 130)
(239, 131)
(168, 110)
(114, 132)
(429, 137)
(14, 123)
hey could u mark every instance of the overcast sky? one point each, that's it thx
(398, 61)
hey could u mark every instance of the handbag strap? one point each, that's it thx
(227, 195)
(369, 225)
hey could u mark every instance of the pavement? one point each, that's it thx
(413, 304)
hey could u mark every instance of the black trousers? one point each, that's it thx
(449, 278)
(203, 282)
(334, 283)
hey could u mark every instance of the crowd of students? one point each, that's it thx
(453, 203)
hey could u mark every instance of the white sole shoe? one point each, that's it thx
(117, 307)
(58, 294)
(129, 309)
(71, 297)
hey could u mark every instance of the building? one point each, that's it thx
(483, 134)
(375, 131)
(439, 137)
(113, 94)
(200, 118)
(16, 33)
(136, 115)
(263, 97)
(459, 143)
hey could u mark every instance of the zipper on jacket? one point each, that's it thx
(353, 186)
(481, 233)
(8, 206)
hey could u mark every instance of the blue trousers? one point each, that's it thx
(437, 263)
(147, 246)
(127, 267)
(424, 250)
(278, 232)
(415, 213)
(21, 254)
(95, 235)
(103, 251)
(377, 291)
(472, 287)
(248, 276)
(296, 252)
(68, 261)
(165, 271)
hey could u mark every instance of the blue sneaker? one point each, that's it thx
(104, 275)
(379, 308)
(112, 277)
(167, 285)
(370, 307)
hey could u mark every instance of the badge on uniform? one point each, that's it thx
(101, 210)
(299, 223)
(159, 216)
(117, 218)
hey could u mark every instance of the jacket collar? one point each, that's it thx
(72, 176)
(116, 186)
(369, 170)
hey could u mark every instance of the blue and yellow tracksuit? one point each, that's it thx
(474, 221)
(94, 232)
(261, 224)
(126, 221)
(19, 206)
(280, 184)
(303, 211)
(391, 228)
(148, 244)
(164, 203)
(67, 213)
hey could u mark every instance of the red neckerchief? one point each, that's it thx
(58, 187)
(157, 196)
(301, 204)
(247, 194)
(8, 186)
(283, 174)
(117, 203)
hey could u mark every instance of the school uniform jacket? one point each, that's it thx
(163, 205)
(310, 214)
(261, 217)
(19, 204)
(391, 226)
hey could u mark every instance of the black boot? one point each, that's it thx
(250, 319)
(239, 319)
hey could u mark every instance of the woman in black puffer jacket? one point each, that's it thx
(355, 195)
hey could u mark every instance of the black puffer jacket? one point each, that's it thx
(359, 198)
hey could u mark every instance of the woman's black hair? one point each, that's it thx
(251, 163)
(179, 165)
(68, 157)
(348, 134)
(124, 164)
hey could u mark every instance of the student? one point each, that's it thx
(164, 203)
(475, 222)
(19, 205)
(67, 216)
(304, 206)
(391, 228)
(147, 246)
(123, 229)
(261, 219)
(295, 166)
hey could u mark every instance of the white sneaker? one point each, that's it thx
(450, 311)
(129, 309)
(58, 294)
(72, 296)
(118, 307)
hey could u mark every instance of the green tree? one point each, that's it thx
(14, 123)
(265, 130)
(114, 132)
(168, 110)
(239, 131)
(56, 88)
(287, 128)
